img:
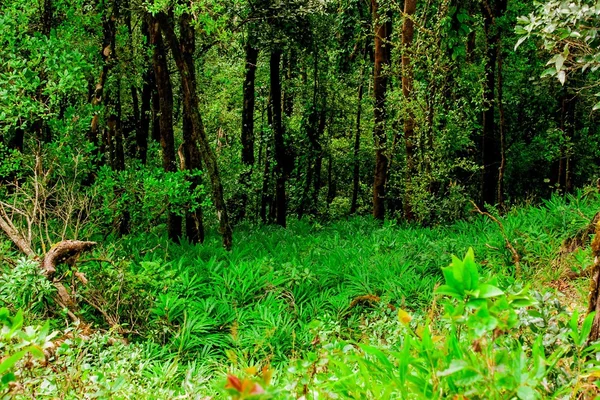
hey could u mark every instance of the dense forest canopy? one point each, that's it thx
(132, 113)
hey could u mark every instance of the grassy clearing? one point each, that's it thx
(192, 313)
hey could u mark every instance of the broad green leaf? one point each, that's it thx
(486, 291)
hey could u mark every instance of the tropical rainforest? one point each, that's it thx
(299, 199)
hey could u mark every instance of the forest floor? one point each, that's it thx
(297, 311)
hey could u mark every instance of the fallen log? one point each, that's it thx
(66, 251)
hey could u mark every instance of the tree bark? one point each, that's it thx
(280, 156)
(356, 160)
(383, 28)
(594, 298)
(247, 135)
(490, 141)
(190, 96)
(408, 31)
(194, 219)
(165, 96)
(266, 197)
(108, 47)
(502, 131)
(248, 105)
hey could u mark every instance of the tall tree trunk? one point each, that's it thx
(108, 44)
(141, 138)
(165, 96)
(190, 96)
(383, 29)
(280, 156)
(502, 130)
(248, 126)
(408, 31)
(248, 105)
(314, 129)
(266, 197)
(356, 153)
(288, 96)
(490, 141)
(194, 221)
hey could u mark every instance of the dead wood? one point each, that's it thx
(66, 251)
(515, 255)
(594, 300)
(581, 239)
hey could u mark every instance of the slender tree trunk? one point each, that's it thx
(108, 44)
(383, 28)
(408, 30)
(280, 156)
(490, 141)
(248, 126)
(318, 159)
(288, 96)
(266, 197)
(194, 219)
(190, 96)
(165, 96)
(501, 127)
(356, 160)
(248, 105)
(141, 137)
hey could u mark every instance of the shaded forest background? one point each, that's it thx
(119, 116)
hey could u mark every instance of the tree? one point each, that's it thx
(383, 28)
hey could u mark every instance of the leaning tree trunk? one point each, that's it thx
(383, 28)
(408, 31)
(190, 99)
(165, 96)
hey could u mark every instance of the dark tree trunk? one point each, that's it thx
(248, 105)
(490, 140)
(502, 131)
(165, 97)
(383, 28)
(318, 149)
(288, 96)
(408, 30)
(563, 168)
(141, 138)
(280, 156)
(266, 197)
(190, 96)
(356, 153)
(247, 129)
(194, 221)
(108, 44)
(314, 130)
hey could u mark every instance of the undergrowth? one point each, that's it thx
(302, 307)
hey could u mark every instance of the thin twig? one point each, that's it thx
(515, 256)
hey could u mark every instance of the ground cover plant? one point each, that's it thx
(343, 309)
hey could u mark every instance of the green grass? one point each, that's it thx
(201, 306)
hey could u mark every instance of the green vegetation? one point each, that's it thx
(346, 308)
(299, 199)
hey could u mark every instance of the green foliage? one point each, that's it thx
(25, 287)
(18, 343)
(569, 32)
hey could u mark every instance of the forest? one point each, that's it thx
(299, 199)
